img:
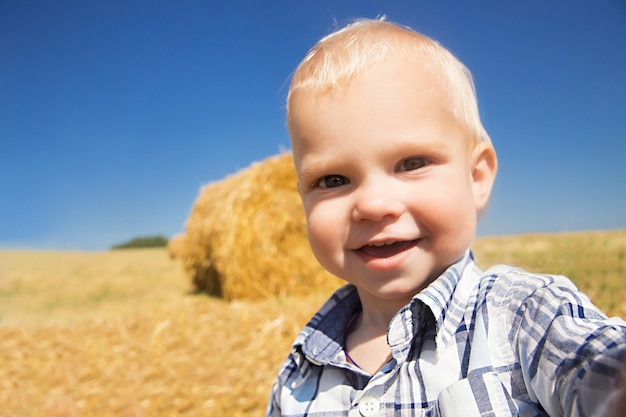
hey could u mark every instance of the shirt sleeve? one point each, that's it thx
(288, 369)
(273, 408)
(571, 354)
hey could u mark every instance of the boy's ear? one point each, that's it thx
(484, 168)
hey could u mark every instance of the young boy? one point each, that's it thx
(393, 167)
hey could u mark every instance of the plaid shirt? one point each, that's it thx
(501, 343)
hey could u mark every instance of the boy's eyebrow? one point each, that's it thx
(316, 170)
(417, 148)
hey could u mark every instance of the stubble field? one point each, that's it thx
(119, 334)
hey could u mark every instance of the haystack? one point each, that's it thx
(246, 236)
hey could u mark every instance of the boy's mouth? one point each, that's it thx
(387, 249)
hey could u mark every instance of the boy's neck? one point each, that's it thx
(378, 313)
(366, 340)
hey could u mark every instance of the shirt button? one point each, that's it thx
(369, 406)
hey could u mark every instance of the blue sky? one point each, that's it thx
(114, 113)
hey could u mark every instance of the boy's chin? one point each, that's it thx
(400, 290)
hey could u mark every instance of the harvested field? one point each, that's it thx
(118, 333)
(204, 358)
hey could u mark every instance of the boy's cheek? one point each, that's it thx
(313, 205)
(322, 226)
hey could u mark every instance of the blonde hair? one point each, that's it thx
(343, 55)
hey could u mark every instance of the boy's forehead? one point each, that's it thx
(317, 115)
(399, 83)
(412, 71)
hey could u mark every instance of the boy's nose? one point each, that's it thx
(376, 203)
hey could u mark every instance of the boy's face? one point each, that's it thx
(390, 182)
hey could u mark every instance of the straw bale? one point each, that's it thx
(246, 236)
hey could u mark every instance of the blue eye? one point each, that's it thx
(412, 164)
(332, 181)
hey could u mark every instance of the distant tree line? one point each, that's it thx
(143, 242)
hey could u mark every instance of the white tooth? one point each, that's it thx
(379, 244)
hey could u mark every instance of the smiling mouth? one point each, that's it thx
(387, 249)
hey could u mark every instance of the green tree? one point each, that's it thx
(143, 242)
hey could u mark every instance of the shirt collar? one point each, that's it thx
(323, 337)
(442, 304)
(449, 293)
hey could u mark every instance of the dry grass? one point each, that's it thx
(117, 334)
(206, 357)
(63, 287)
